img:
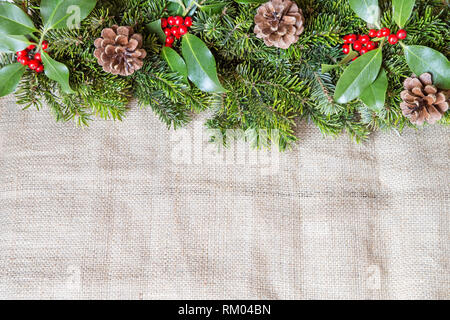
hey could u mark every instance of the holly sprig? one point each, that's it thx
(366, 79)
(19, 33)
(195, 62)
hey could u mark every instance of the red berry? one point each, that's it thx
(179, 21)
(168, 45)
(364, 39)
(354, 58)
(175, 31)
(163, 23)
(31, 47)
(385, 32)
(393, 39)
(373, 33)
(23, 60)
(33, 64)
(40, 68)
(346, 49)
(183, 30)
(167, 32)
(170, 39)
(401, 34)
(37, 56)
(371, 45)
(363, 51)
(352, 38)
(188, 22)
(171, 21)
(44, 45)
(22, 53)
(357, 45)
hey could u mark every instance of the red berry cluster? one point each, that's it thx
(364, 43)
(175, 28)
(31, 57)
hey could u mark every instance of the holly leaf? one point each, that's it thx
(423, 59)
(374, 96)
(358, 76)
(402, 10)
(10, 76)
(57, 71)
(14, 21)
(175, 7)
(201, 64)
(155, 27)
(178, 7)
(175, 62)
(58, 14)
(213, 8)
(367, 10)
(13, 44)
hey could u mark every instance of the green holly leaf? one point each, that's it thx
(175, 7)
(213, 8)
(367, 10)
(13, 44)
(358, 76)
(155, 27)
(201, 64)
(374, 96)
(175, 62)
(179, 7)
(402, 10)
(14, 21)
(10, 76)
(57, 71)
(423, 59)
(58, 14)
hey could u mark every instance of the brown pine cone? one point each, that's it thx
(119, 50)
(279, 23)
(422, 101)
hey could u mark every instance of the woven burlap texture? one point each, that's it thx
(111, 212)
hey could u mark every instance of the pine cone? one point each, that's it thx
(119, 50)
(422, 101)
(279, 23)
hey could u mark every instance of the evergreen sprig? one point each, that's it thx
(269, 91)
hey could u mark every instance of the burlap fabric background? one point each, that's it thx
(113, 211)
